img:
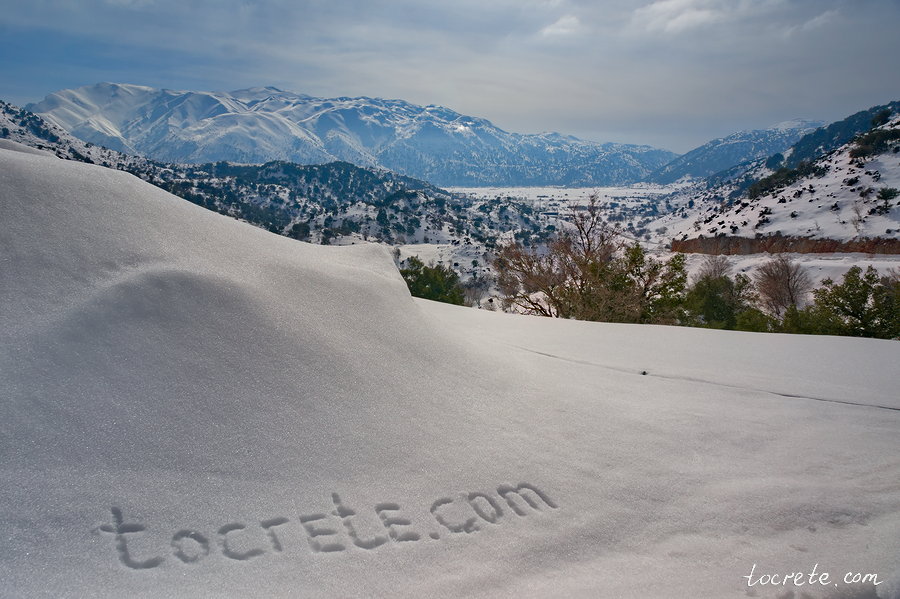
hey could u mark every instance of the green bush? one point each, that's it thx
(887, 194)
(874, 142)
(881, 118)
(716, 301)
(862, 305)
(754, 319)
(438, 283)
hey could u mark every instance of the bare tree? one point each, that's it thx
(780, 284)
(713, 267)
(588, 273)
(858, 217)
(475, 290)
(557, 279)
(529, 280)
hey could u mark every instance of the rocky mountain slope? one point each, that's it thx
(263, 124)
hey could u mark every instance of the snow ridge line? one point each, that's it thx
(698, 380)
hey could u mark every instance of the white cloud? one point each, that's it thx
(675, 16)
(679, 16)
(565, 25)
(814, 23)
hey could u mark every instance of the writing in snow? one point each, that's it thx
(812, 577)
(339, 529)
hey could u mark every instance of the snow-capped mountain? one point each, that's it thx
(726, 152)
(262, 124)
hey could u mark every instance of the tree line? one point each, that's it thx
(589, 272)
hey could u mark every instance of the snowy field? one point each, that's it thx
(194, 407)
(552, 199)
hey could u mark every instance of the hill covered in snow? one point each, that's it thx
(830, 191)
(191, 406)
(848, 194)
(264, 124)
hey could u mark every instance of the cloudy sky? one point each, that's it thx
(670, 73)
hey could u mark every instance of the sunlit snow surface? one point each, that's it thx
(195, 407)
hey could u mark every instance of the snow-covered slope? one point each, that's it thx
(24, 127)
(842, 198)
(720, 154)
(262, 124)
(191, 406)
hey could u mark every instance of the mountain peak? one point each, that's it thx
(793, 124)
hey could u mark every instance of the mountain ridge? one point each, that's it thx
(737, 148)
(256, 125)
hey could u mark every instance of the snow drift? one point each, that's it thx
(195, 407)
